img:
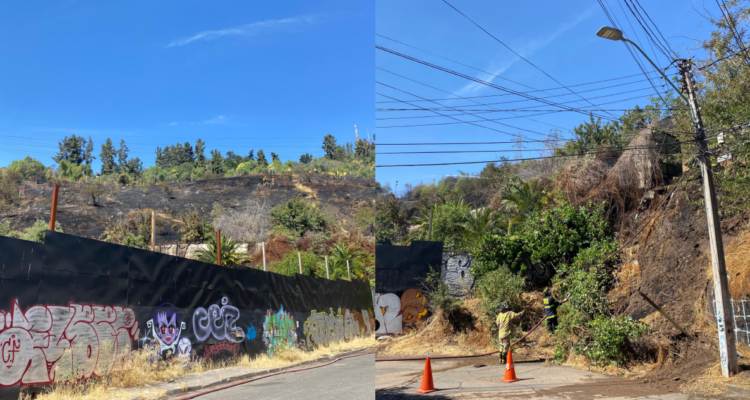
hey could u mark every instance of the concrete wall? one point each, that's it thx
(455, 272)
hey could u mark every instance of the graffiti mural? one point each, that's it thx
(396, 315)
(251, 333)
(49, 343)
(219, 322)
(388, 313)
(279, 329)
(165, 331)
(413, 310)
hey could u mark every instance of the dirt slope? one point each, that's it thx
(339, 197)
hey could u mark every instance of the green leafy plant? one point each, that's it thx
(299, 216)
(289, 264)
(608, 339)
(195, 228)
(342, 252)
(36, 232)
(230, 255)
(498, 287)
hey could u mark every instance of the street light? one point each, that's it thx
(616, 35)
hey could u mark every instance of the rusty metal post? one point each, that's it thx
(218, 246)
(153, 223)
(53, 213)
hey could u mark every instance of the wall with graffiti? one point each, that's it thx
(400, 307)
(74, 308)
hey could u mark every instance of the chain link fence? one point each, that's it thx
(740, 314)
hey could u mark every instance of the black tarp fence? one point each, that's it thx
(400, 306)
(70, 302)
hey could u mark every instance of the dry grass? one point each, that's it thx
(138, 372)
(737, 255)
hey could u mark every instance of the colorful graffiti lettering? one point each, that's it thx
(279, 329)
(251, 333)
(399, 315)
(165, 329)
(219, 322)
(48, 343)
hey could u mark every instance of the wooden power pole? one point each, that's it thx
(724, 315)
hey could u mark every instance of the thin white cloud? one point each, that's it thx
(471, 89)
(173, 123)
(251, 29)
(220, 120)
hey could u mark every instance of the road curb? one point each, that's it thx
(733, 390)
(183, 388)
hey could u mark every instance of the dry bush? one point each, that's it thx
(737, 255)
(622, 186)
(276, 246)
(246, 224)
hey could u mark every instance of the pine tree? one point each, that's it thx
(88, 156)
(71, 150)
(329, 146)
(262, 159)
(250, 156)
(200, 158)
(159, 157)
(189, 156)
(216, 163)
(306, 158)
(122, 156)
(274, 157)
(107, 156)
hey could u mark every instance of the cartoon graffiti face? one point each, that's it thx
(167, 320)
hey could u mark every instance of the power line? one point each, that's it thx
(448, 116)
(730, 23)
(473, 101)
(531, 91)
(666, 42)
(514, 52)
(471, 78)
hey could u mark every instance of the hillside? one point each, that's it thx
(339, 198)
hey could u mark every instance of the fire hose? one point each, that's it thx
(472, 355)
(244, 381)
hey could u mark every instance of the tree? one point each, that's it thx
(299, 216)
(390, 222)
(306, 158)
(363, 148)
(341, 253)
(159, 156)
(94, 190)
(274, 157)
(329, 146)
(200, 148)
(88, 156)
(122, 155)
(107, 156)
(523, 200)
(189, 155)
(262, 159)
(195, 228)
(29, 168)
(134, 166)
(250, 156)
(216, 163)
(72, 150)
(230, 254)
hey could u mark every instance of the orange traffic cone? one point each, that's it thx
(510, 370)
(427, 386)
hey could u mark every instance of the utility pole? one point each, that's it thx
(724, 318)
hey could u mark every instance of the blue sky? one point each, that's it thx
(558, 37)
(240, 75)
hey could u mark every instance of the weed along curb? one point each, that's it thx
(217, 377)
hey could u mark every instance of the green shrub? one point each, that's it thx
(289, 265)
(498, 287)
(299, 216)
(36, 232)
(5, 230)
(546, 238)
(438, 293)
(608, 339)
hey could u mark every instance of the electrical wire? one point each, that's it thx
(517, 55)
(480, 81)
(730, 23)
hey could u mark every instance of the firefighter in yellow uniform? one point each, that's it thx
(505, 320)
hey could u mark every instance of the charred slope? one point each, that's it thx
(340, 198)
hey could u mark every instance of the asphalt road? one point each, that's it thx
(351, 378)
(479, 378)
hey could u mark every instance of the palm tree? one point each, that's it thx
(229, 254)
(356, 255)
(480, 222)
(525, 199)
